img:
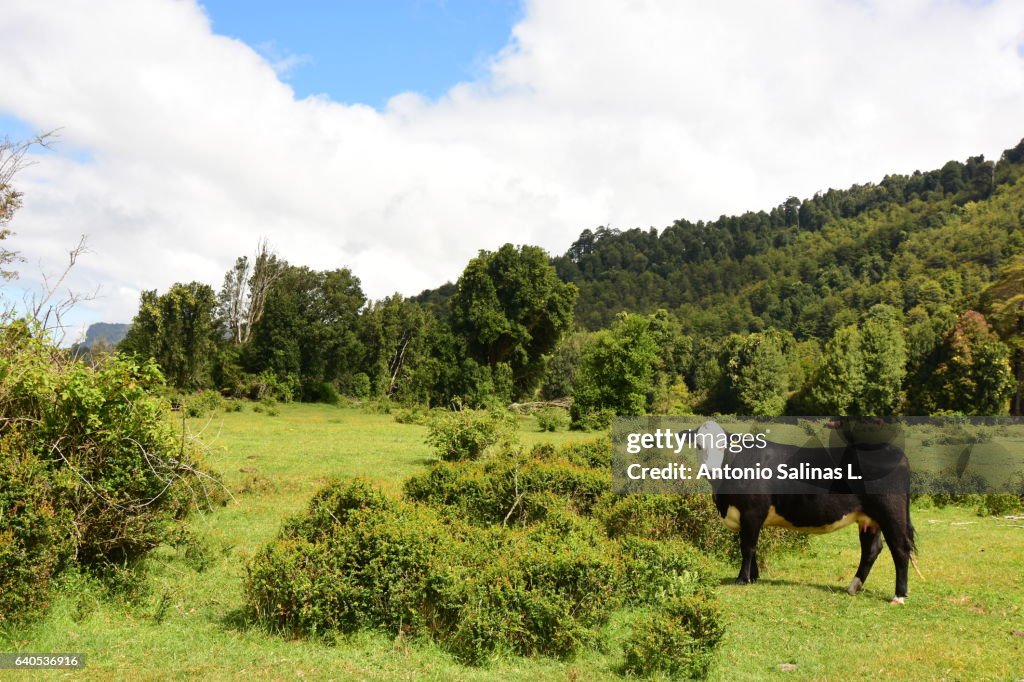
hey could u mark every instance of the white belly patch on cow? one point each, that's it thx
(732, 521)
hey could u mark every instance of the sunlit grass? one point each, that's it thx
(190, 623)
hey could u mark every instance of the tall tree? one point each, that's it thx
(244, 292)
(309, 330)
(840, 379)
(884, 354)
(972, 370)
(616, 370)
(1004, 302)
(759, 374)
(511, 307)
(12, 160)
(395, 333)
(179, 331)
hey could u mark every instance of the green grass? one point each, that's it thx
(189, 623)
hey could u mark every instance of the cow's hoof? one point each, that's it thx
(856, 585)
(897, 601)
(742, 581)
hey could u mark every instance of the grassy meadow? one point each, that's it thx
(964, 621)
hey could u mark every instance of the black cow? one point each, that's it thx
(746, 506)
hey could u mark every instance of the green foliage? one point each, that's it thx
(510, 488)
(972, 373)
(35, 532)
(470, 434)
(759, 374)
(885, 358)
(562, 366)
(94, 461)
(679, 639)
(840, 379)
(177, 330)
(510, 307)
(309, 330)
(553, 419)
(616, 371)
(202, 403)
(396, 335)
(358, 560)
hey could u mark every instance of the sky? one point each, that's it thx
(397, 138)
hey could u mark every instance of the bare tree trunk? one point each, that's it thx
(265, 272)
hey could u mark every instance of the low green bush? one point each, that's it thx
(591, 420)
(35, 531)
(470, 434)
(679, 639)
(88, 453)
(357, 559)
(510, 487)
(693, 518)
(553, 419)
(202, 403)
(413, 415)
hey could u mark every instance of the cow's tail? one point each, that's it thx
(913, 545)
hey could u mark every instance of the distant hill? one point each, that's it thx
(808, 266)
(925, 240)
(108, 332)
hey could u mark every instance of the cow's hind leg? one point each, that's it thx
(900, 545)
(870, 547)
(750, 529)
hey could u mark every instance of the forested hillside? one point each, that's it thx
(898, 297)
(812, 266)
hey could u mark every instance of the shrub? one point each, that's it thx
(510, 487)
(202, 403)
(469, 434)
(679, 639)
(106, 464)
(35, 538)
(322, 392)
(413, 415)
(693, 518)
(359, 386)
(553, 419)
(357, 559)
(591, 420)
(653, 570)
(267, 385)
(377, 406)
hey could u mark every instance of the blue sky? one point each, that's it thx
(369, 50)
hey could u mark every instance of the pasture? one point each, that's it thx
(186, 619)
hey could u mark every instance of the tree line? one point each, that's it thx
(898, 297)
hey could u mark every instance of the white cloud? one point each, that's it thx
(183, 147)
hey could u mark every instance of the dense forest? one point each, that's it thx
(897, 297)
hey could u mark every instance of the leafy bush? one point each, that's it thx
(413, 415)
(267, 385)
(359, 386)
(591, 420)
(91, 455)
(35, 538)
(357, 559)
(654, 569)
(678, 639)
(553, 419)
(469, 434)
(510, 487)
(322, 392)
(693, 518)
(202, 403)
